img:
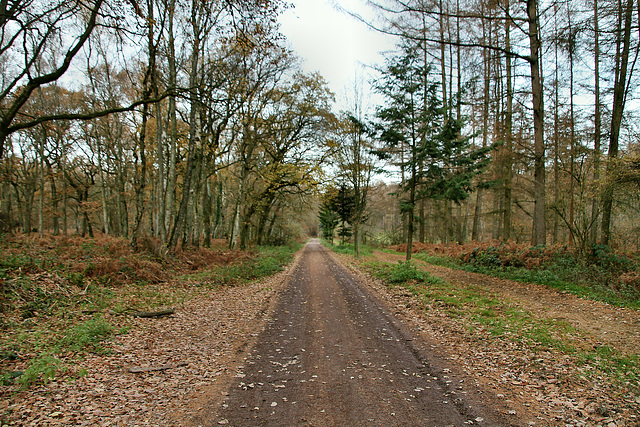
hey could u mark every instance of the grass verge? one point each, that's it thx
(567, 277)
(347, 248)
(487, 317)
(64, 298)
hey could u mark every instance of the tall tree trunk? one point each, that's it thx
(173, 122)
(103, 191)
(443, 63)
(476, 229)
(194, 133)
(65, 198)
(556, 133)
(572, 124)
(207, 204)
(597, 122)
(412, 188)
(619, 95)
(54, 199)
(539, 220)
(422, 219)
(148, 85)
(41, 198)
(161, 174)
(508, 123)
(219, 208)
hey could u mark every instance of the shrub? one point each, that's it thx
(41, 370)
(88, 335)
(402, 273)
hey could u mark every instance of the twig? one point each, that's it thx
(155, 368)
(154, 313)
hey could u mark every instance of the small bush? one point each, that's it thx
(88, 335)
(402, 273)
(41, 370)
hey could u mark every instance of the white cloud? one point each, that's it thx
(332, 42)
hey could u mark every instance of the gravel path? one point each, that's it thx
(331, 355)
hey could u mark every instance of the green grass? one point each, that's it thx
(557, 276)
(88, 336)
(484, 312)
(53, 313)
(401, 273)
(348, 248)
(266, 261)
(47, 345)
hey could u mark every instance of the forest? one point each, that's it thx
(162, 161)
(180, 122)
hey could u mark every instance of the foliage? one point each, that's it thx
(62, 297)
(88, 335)
(601, 274)
(486, 313)
(402, 273)
(41, 370)
(347, 248)
(329, 220)
(263, 261)
(437, 160)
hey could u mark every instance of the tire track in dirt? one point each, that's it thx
(332, 355)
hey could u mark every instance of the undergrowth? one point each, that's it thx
(64, 297)
(260, 262)
(599, 275)
(347, 248)
(483, 312)
(402, 273)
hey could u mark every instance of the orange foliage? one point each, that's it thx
(110, 260)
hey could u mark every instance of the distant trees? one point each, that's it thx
(186, 133)
(552, 177)
(190, 121)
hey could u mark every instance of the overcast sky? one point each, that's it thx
(333, 43)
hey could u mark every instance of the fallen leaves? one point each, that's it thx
(171, 361)
(542, 387)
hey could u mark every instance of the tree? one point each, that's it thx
(355, 159)
(405, 123)
(620, 92)
(328, 217)
(441, 163)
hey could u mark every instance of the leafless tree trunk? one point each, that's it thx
(597, 122)
(623, 47)
(539, 220)
(508, 124)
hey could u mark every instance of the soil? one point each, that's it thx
(343, 351)
(332, 355)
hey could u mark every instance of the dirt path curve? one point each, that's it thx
(333, 356)
(618, 327)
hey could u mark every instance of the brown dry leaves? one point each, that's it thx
(205, 339)
(539, 389)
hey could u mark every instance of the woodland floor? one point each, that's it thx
(208, 340)
(544, 388)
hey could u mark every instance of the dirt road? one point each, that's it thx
(333, 356)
